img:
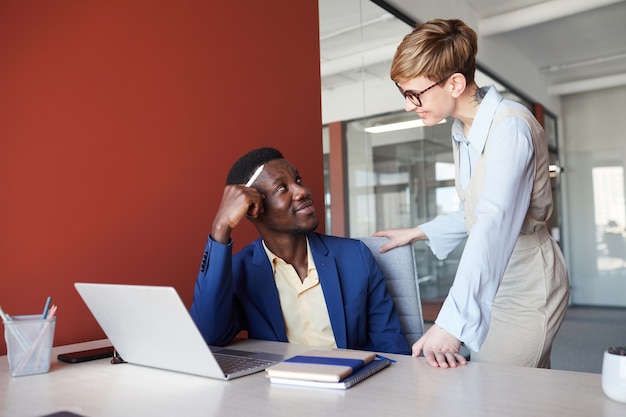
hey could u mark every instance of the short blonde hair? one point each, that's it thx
(436, 49)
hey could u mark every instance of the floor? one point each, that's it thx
(585, 334)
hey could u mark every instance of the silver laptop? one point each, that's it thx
(150, 326)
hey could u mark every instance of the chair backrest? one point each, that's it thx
(400, 271)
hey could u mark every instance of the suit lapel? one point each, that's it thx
(265, 293)
(329, 279)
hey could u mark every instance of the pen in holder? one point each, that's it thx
(29, 343)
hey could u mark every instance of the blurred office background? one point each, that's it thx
(565, 62)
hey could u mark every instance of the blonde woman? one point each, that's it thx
(511, 289)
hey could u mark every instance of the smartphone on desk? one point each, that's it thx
(86, 355)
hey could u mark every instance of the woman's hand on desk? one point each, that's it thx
(440, 348)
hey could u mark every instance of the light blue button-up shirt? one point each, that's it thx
(501, 210)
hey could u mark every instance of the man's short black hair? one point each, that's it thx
(245, 166)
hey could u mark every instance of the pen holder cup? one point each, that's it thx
(29, 344)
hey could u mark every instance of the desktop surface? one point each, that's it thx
(409, 387)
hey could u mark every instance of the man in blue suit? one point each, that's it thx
(291, 284)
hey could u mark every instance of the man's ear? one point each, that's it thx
(254, 220)
(458, 83)
(259, 217)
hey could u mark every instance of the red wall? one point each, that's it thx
(118, 123)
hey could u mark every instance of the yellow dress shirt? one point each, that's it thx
(302, 302)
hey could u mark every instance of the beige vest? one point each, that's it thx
(540, 207)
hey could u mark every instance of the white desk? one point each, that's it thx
(408, 388)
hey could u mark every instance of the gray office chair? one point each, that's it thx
(399, 268)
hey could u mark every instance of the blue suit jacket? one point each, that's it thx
(235, 293)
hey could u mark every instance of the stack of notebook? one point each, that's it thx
(339, 369)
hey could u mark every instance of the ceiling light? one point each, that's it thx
(410, 124)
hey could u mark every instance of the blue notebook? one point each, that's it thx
(328, 368)
(324, 365)
(365, 372)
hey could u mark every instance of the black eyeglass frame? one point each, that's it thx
(415, 97)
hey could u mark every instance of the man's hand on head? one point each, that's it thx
(237, 203)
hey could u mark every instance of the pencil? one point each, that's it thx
(254, 176)
(46, 307)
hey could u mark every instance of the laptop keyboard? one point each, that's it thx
(231, 364)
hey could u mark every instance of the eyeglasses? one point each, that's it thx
(415, 97)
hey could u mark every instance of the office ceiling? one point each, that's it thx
(579, 45)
